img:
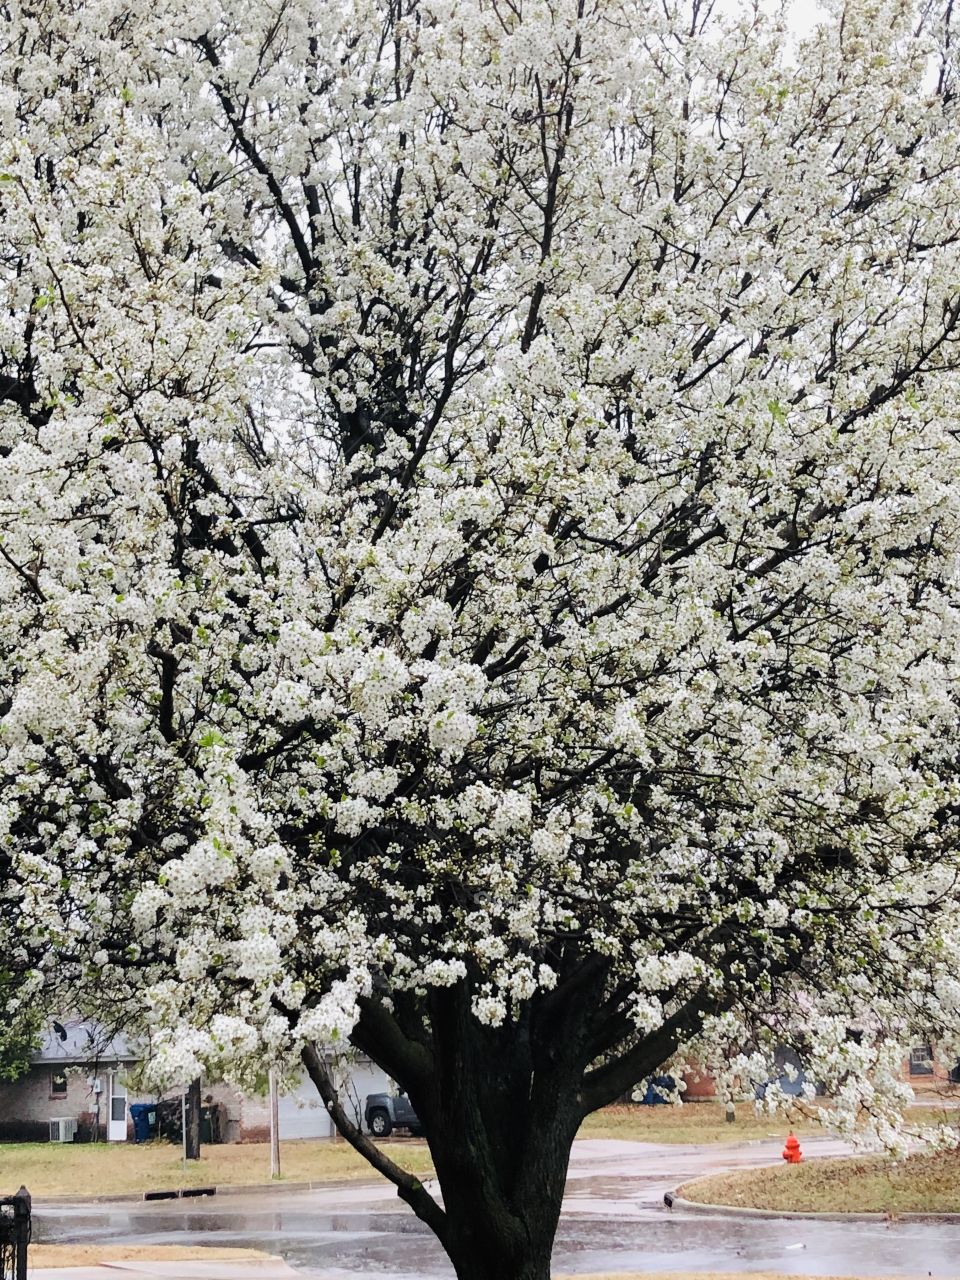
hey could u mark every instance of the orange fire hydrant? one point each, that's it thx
(791, 1151)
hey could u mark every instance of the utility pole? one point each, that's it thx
(274, 1125)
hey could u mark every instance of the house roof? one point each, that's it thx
(82, 1041)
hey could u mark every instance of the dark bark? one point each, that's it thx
(501, 1106)
(191, 1145)
(500, 1109)
(500, 1134)
(499, 1224)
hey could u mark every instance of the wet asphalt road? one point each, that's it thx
(614, 1220)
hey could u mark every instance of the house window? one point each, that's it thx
(921, 1060)
(58, 1084)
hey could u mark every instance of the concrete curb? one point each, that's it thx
(270, 1267)
(733, 1211)
(202, 1193)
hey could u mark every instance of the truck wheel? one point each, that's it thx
(380, 1123)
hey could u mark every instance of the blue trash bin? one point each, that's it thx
(144, 1117)
(652, 1097)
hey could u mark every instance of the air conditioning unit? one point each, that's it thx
(63, 1129)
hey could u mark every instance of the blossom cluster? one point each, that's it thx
(468, 529)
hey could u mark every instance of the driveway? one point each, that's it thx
(614, 1220)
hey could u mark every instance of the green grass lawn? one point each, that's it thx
(871, 1184)
(49, 1169)
(706, 1122)
(700, 1275)
(691, 1122)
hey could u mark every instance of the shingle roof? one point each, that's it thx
(83, 1041)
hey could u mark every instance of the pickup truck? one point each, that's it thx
(385, 1112)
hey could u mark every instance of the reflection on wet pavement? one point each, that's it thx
(614, 1220)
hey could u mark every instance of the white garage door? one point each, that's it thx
(302, 1114)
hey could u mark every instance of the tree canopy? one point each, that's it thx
(479, 544)
(20, 1028)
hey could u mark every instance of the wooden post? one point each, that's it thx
(274, 1126)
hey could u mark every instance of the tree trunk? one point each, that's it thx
(500, 1108)
(491, 1261)
(496, 1236)
(500, 1118)
(191, 1144)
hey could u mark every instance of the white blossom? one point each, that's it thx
(480, 530)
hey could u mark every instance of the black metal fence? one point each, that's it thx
(14, 1235)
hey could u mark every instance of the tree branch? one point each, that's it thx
(604, 1084)
(409, 1189)
(379, 1036)
(249, 149)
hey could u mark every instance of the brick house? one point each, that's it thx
(924, 1068)
(76, 1075)
(928, 1069)
(81, 1082)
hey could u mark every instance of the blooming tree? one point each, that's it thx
(20, 1028)
(479, 545)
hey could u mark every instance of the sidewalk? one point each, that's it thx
(200, 1269)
